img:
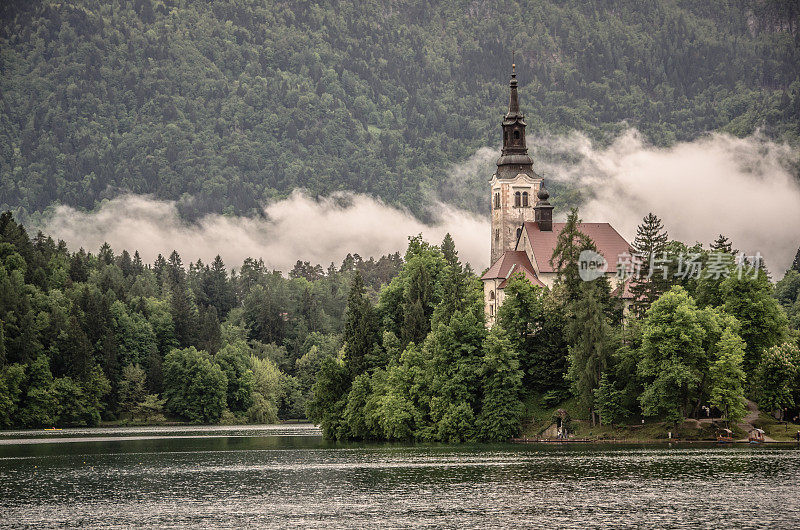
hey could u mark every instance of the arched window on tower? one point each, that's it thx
(517, 199)
(491, 295)
(519, 233)
(497, 235)
(516, 135)
(496, 201)
(524, 199)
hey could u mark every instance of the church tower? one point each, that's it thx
(515, 186)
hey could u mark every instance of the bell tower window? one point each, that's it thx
(516, 135)
(524, 199)
(496, 201)
(517, 199)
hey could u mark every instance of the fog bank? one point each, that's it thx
(740, 187)
(298, 227)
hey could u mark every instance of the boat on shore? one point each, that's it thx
(725, 436)
(756, 436)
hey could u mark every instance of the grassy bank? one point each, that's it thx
(540, 416)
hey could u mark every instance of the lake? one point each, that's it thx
(288, 475)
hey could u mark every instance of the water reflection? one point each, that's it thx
(291, 477)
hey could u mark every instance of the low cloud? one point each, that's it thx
(299, 227)
(743, 188)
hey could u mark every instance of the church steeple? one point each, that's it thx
(513, 104)
(514, 158)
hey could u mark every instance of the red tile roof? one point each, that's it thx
(608, 241)
(512, 262)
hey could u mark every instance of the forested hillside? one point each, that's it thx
(229, 103)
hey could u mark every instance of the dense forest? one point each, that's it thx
(421, 365)
(394, 348)
(227, 104)
(85, 337)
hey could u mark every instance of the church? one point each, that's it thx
(523, 232)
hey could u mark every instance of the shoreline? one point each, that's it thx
(597, 441)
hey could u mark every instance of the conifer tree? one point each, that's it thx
(453, 284)
(360, 327)
(650, 244)
(183, 311)
(217, 288)
(138, 266)
(723, 244)
(565, 259)
(796, 262)
(590, 338)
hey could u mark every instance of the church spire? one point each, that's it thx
(513, 104)
(514, 158)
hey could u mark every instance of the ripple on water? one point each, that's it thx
(294, 478)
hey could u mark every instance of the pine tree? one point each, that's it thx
(796, 262)
(78, 267)
(723, 244)
(589, 334)
(208, 336)
(74, 356)
(650, 245)
(360, 327)
(138, 266)
(419, 295)
(455, 284)
(184, 313)
(105, 255)
(565, 259)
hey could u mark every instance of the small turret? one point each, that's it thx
(543, 211)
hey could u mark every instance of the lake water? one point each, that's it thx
(288, 476)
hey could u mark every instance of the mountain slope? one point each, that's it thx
(227, 104)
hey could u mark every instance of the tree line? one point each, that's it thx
(389, 349)
(85, 337)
